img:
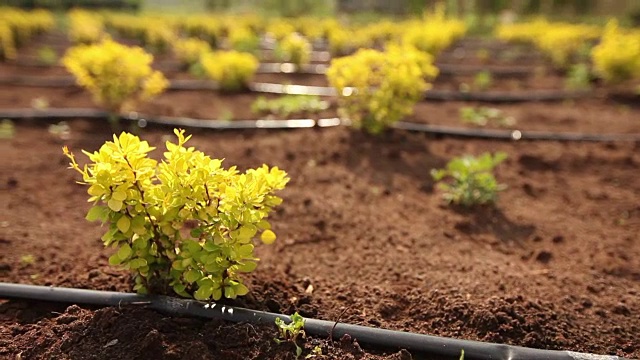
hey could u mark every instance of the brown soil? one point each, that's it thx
(554, 265)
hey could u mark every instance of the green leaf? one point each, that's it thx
(124, 252)
(241, 290)
(137, 225)
(115, 205)
(114, 260)
(263, 225)
(204, 292)
(247, 266)
(192, 275)
(229, 292)
(177, 264)
(97, 213)
(137, 263)
(119, 195)
(123, 224)
(245, 251)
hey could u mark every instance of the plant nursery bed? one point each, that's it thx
(363, 238)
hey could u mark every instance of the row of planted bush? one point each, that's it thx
(432, 33)
(17, 27)
(376, 88)
(613, 51)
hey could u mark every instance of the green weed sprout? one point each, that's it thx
(472, 181)
(150, 206)
(289, 104)
(483, 80)
(578, 77)
(482, 116)
(291, 332)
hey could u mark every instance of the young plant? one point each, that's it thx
(188, 51)
(116, 75)
(294, 49)
(232, 70)
(291, 332)
(471, 179)
(376, 89)
(289, 104)
(617, 57)
(482, 116)
(150, 206)
(243, 39)
(578, 77)
(483, 80)
(47, 55)
(7, 129)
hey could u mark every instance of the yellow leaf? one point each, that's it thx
(115, 205)
(123, 224)
(268, 237)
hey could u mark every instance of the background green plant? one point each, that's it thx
(289, 104)
(291, 332)
(147, 205)
(482, 116)
(471, 179)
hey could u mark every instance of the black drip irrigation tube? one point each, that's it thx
(272, 88)
(144, 120)
(426, 345)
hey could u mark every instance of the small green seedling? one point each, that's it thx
(482, 116)
(47, 55)
(483, 80)
(289, 104)
(60, 131)
(578, 77)
(462, 354)
(472, 181)
(291, 332)
(7, 129)
(317, 351)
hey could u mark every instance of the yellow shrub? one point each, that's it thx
(434, 33)
(242, 38)
(155, 32)
(206, 28)
(23, 25)
(295, 49)
(617, 57)
(85, 27)
(188, 51)
(115, 74)
(376, 89)
(232, 70)
(280, 28)
(340, 42)
(559, 41)
(7, 45)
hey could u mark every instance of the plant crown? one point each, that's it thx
(232, 70)
(115, 74)
(295, 49)
(188, 51)
(376, 89)
(150, 205)
(617, 57)
(471, 179)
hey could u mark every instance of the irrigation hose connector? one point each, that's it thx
(413, 342)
